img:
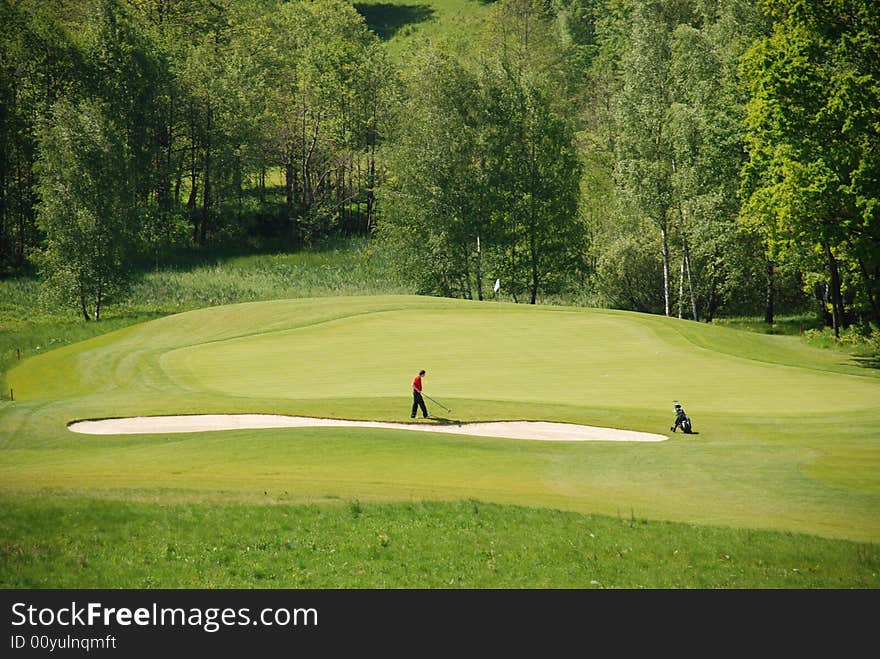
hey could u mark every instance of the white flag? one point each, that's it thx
(497, 285)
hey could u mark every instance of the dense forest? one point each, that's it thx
(688, 157)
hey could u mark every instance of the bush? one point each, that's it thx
(858, 339)
(629, 275)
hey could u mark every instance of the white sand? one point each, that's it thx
(540, 430)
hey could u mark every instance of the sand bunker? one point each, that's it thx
(539, 430)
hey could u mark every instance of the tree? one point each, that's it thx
(484, 175)
(812, 178)
(324, 76)
(39, 64)
(707, 151)
(645, 150)
(531, 160)
(129, 74)
(534, 176)
(432, 216)
(86, 206)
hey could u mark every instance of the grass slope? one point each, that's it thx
(788, 434)
(192, 281)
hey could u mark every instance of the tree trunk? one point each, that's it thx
(193, 177)
(163, 187)
(535, 278)
(467, 289)
(769, 294)
(206, 199)
(22, 185)
(869, 289)
(836, 299)
(288, 185)
(533, 229)
(351, 191)
(338, 190)
(712, 303)
(513, 265)
(178, 183)
(98, 299)
(82, 302)
(308, 194)
(238, 184)
(479, 271)
(687, 268)
(681, 285)
(665, 266)
(371, 182)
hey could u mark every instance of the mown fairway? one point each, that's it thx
(788, 435)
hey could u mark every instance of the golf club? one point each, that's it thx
(434, 401)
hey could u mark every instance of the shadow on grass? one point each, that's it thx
(386, 19)
(191, 257)
(868, 362)
(785, 326)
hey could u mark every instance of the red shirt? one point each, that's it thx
(417, 383)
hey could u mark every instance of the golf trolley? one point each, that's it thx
(682, 420)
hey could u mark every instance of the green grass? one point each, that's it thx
(79, 542)
(787, 452)
(406, 25)
(345, 267)
(342, 267)
(788, 433)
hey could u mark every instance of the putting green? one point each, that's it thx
(558, 357)
(788, 436)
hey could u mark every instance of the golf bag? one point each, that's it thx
(682, 420)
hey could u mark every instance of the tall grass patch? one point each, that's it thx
(78, 542)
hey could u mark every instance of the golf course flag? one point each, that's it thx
(497, 285)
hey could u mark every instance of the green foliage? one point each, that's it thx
(484, 176)
(86, 207)
(432, 216)
(323, 102)
(811, 133)
(642, 102)
(40, 63)
(407, 26)
(864, 342)
(629, 274)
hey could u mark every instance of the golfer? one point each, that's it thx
(418, 401)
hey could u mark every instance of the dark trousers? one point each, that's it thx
(418, 402)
